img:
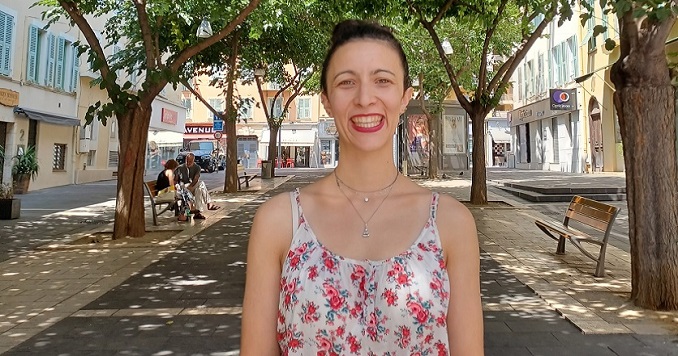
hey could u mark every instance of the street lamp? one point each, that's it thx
(447, 47)
(205, 29)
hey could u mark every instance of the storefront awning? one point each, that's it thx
(293, 137)
(499, 136)
(47, 117)
(166, 138)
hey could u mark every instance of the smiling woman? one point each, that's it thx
(349, 270)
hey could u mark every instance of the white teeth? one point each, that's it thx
(367, 121)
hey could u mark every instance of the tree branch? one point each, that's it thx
(506, 70)
(84, 26)
(146, 33)
(263, 100)
(482, 75)
(199, 96)
(189, 52)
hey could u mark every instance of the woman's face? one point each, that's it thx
(365, 92)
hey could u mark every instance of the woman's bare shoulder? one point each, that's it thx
(454, 220)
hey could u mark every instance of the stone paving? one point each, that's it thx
(184, 297)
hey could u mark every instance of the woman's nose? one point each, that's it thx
(365, 95)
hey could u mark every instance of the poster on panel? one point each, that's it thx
(454, 135)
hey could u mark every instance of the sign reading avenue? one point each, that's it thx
(202, 129)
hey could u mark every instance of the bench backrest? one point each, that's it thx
(592, 213)
(150, 185)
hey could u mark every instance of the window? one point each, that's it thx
(556, 143)
(530, 78)
(112, 159)
(217, 104)
(277, 108)
(91, 157)
(540, 88)
(304, 108)
(114, 129)
(6, 45)
(52, 60)
(188, 104)
(590, 24)
(245, 110)
(59, 157)
(536, 21)
(572, 58)
(520, 83)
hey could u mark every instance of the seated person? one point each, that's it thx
(188, 174)
(165, 182)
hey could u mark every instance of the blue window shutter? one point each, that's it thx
(32, 62)
(51, 54)
(75, 72)
(60, 59)
(6, 29)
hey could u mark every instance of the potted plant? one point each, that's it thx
(9, 206)
(24, 169)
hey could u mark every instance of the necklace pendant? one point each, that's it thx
(367, 199)
(366, 233)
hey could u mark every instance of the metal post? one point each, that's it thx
(280, 145)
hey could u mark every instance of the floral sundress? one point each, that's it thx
(333, 305)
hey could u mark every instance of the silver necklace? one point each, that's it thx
(363, 192)
(366, 230)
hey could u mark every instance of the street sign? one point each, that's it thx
(218, 125)
(217, 135)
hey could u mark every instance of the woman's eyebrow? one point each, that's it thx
(344, 72)
(377, 71)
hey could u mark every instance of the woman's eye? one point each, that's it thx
(383, 81)
(345, 82)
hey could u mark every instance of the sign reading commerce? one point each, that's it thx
(563, 99)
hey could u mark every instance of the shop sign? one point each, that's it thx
(197, 130)
(563, 99)
(169, 116)
(524, 113)
(9, 97)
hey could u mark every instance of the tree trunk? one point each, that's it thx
(231, 181)
(647, 120)
(479, 172)
(273, 147)
(433, 145)
(129, 205)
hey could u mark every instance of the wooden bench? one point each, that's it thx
(243, 177)
(588, 212)
(152, 194)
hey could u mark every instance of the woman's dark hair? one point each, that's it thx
(350, 30)
(171, 164)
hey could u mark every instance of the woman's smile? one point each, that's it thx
(368, 123)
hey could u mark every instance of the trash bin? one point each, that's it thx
(266, 167)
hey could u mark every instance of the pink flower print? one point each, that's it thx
(390, 296)
(396, 269)
(324, 345)
(357, 311)
(301, 249)
(294, 261)
(334, 298)
(310, 313)
(372, 326)
(403, 279)
(441, 320)
(313, 273)
(403, 337)
(354, 344)
(330, 263)
(442, 264)
(294, 344)
(441, 348)
(428, 339)
(418, 312)
(340, 331)
(436, 284)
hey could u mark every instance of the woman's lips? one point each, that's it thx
(367, 123)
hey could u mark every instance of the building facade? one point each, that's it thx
(47, 93)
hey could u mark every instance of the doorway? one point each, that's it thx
(3, 144)
(596, 135)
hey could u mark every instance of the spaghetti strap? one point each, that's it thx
(434, 205)
(296, 221)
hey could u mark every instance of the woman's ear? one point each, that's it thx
(326, 104)
(407, 96)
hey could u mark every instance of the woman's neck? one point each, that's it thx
(366, 171)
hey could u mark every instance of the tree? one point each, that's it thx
(289, 68)
(491, 20)
(161, 38)
(645, 103)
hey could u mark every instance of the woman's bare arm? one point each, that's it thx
(459, 237)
